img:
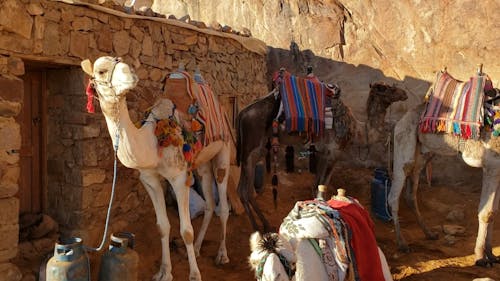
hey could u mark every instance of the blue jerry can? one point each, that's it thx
(380, 188)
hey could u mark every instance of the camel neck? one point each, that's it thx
(117, 118)
(137, 148)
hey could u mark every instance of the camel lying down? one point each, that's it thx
(304, 251)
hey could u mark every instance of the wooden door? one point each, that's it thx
(32, 134)
(230, 105)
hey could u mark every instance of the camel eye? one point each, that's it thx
(101, 72)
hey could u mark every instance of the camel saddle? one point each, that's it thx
(455, 107)
(199, 110)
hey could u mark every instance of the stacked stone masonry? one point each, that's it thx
(79, 151)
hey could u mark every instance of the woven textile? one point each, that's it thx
(363, 242)
(315, 220)
(455, 107)
(216, 126)
(304, 103)
(210, 112)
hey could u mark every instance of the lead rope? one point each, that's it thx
(113, 186)
(108, 215)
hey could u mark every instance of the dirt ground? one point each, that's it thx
(428, 260)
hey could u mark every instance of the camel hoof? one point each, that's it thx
(432, 235)
(162, 276)
(221, 259)
(195, 276)
(404, 248)
(484, 263)
(493, 259)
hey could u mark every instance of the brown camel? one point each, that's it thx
(254, 128)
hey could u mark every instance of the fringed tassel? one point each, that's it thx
(90, 91)
(456, 128)
(275, 148)
(268, 155)
(441, 126)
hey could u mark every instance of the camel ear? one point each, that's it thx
(254, 240)
(87, 67)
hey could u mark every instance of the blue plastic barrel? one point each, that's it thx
(380, 188)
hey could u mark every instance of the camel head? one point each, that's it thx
(386, 94)
(381, 96)
(110, 77)
(266, 251)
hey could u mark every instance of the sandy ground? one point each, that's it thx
(428, 260)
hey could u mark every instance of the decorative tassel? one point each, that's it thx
(268, 155)
(90, 91)
(441, 126)
(274, 182)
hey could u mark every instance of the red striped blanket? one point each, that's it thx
(210, 112)
(303, 100)
(454, 106)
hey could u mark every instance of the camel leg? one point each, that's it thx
(325, 172)
(221, 170)
(421, 161)
(246, 188)
(152, 183)
(329, 174)
(489, 236)
(205, 173)
(405, 144)
(186, 229)
(265, 223)
(488, 205)
(398, 181)
(244, 193)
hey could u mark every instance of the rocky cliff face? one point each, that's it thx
(353, 42)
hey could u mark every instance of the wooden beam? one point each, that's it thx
(41, 58)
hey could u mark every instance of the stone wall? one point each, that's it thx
(58, 36)
(10, 144)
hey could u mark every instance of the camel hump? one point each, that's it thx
(163, 109)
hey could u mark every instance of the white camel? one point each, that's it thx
(292, 256)
(137, 148)
(413, 150)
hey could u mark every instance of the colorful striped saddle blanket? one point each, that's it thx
(303, 100)
(194, 98)
(455, 107)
